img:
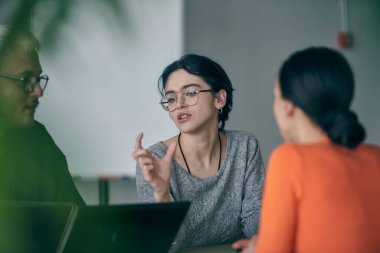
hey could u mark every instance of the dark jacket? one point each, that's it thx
(33, 168)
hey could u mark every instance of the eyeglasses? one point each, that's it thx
(30, 82)
(189, 97)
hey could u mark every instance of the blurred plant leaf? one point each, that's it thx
(22, 15)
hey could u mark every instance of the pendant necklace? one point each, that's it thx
(184, 158)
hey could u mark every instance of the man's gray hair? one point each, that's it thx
(17, 39)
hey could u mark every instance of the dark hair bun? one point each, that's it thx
(344, 128)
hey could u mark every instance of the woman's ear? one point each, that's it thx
(220, 99)
(288, 107)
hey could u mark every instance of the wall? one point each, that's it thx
(120, 191)
(103, 82)
(252, 38)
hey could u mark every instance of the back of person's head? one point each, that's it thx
(320, 82)
(210, 71)
(16, 40)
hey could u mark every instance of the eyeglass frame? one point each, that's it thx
(26, 82)
(166, 108)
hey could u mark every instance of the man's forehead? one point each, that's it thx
(17, 61)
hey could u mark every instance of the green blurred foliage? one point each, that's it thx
(22, 13)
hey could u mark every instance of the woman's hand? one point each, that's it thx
(155, 171)
(245, 246)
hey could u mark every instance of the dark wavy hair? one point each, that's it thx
(320, 81)
(210, 71)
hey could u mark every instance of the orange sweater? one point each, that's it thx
(321, 198)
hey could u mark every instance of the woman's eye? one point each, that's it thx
(171, 100)
(191, 93)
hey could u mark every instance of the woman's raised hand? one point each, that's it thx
(155, 171)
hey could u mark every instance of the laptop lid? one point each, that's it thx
(126, 228)
(35, 227)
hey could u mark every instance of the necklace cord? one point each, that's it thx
(220, 150)
(184, 158)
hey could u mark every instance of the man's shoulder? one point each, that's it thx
(35, 129)
(39, 127)
(35, 137)
(39, 134)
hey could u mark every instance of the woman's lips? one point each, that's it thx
(183, 117)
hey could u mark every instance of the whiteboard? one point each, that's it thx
(103, 83)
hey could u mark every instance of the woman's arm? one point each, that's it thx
(278, 221)
(253, 184)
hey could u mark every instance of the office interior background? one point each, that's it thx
(103, 87)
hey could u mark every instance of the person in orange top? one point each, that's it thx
(322, 187)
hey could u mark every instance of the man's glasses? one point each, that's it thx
(30, 82)
(189, 97)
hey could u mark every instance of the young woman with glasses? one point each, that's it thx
(220, 171)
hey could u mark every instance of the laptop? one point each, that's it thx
(35, 227)
(126, 228)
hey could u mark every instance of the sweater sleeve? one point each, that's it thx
(278, 221)
(253, 183)
(145, 192)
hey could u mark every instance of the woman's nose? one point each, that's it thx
(181, 100)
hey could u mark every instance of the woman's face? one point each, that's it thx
(191, 111)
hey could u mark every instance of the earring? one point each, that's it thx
(220, 111)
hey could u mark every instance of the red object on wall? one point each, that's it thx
(345, 40)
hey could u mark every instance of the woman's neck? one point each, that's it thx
(307, 132)
(200, 146)
(201, 154)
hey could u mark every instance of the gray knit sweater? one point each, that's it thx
(225, 207)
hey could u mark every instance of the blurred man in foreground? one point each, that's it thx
(32, 167)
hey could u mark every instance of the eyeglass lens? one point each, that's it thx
(189, 97)
(32, 82)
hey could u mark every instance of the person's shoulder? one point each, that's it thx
(285, 152)
(41, 134)
(36, 134)
(285, 160)
(158, 149)
(39, 126)
(240, 142)
(241, 135)
(157, 146)
(369, 149)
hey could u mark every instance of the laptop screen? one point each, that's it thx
(35, 227)
(126, 228)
